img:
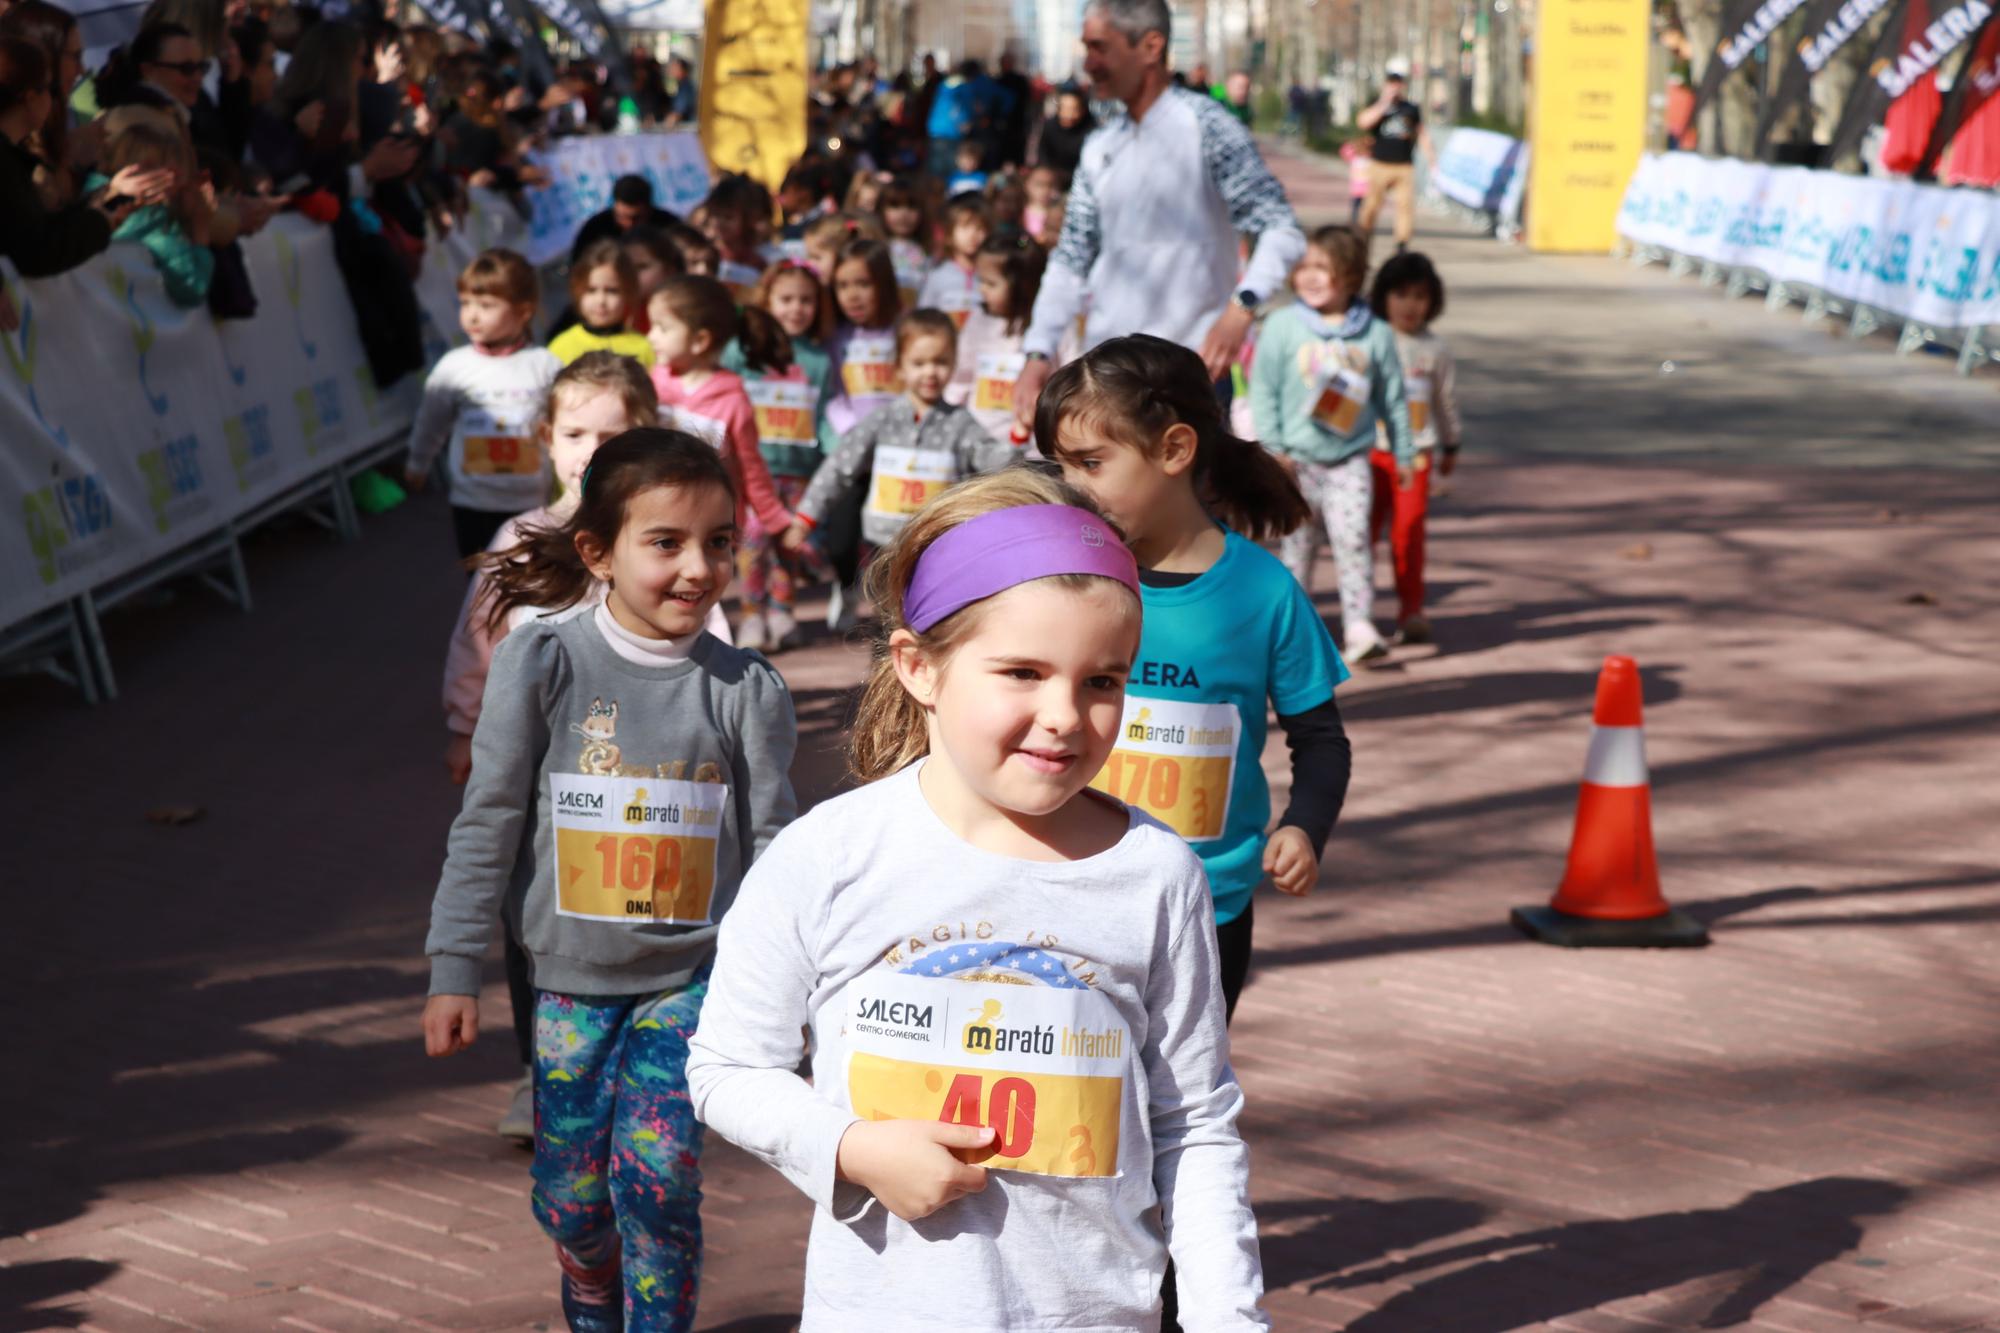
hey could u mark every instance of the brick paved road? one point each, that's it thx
(216, 1114)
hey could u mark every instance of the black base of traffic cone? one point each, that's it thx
(1674, 929)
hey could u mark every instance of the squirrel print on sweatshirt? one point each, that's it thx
(601, 756)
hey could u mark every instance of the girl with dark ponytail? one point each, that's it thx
(1134, 423)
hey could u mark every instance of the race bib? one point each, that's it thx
(494, 448)
(738, 278)
(912, 265)
(1342, 394)
(784, 411)
(1044, 1067)
(1417, 389)
(635, 849)
(993, 390)
(959, 302)
(869, 370)
(1177, 762)
(713, 431)
(906, 480)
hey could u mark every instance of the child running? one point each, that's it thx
(1410, 295)
(1136, 426)
(953, 285)
(604, 291)
(906, 218)
(989, 346)
(940, 926)
(482, 400)
(1326, 371)
(905, 453)
(785, 397)
(626, 770)
(597, 396)
(693, 319)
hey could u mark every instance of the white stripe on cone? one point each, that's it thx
(1617, 757)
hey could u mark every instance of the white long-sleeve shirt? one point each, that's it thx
(484, 407)
(1074, 1005)
(1149, 235)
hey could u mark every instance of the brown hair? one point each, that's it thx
(1348, 249)
(963, 206)
(604, 372)
(881, 272)
(841, 228)
(544, 570)
(1022, 262)
(49, 27)
(914, 324)
(889, 731)
(903, 192)
(1133, 389)
(691, 243)
(822, 327)
(657, 244)
(500, 273)
(762, 340)
(605, 254)
(701, 303)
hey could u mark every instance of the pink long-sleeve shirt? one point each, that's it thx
(718, 410)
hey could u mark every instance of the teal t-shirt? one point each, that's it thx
(1190, 750)
(798, 455)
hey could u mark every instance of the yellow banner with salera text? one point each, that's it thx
(1587, 121)
(753, 86)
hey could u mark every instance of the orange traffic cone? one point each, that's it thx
(1610, 893)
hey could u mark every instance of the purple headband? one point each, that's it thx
(997, 551)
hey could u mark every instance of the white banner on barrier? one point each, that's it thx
(1927, 254)
(134, 427)
(1483, 170)
(582, 169)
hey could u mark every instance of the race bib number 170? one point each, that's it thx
(639, 850)
(1045, 1068)
(1176, 761)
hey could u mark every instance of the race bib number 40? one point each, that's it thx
(1177, 762)
(906, 480)
(639, 850)
(1044, 1067)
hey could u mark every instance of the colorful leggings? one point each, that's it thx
(765, 579)
(617, 1148)
(1341, 493)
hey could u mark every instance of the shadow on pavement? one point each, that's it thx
(1774, 1238)
(1339, 1233)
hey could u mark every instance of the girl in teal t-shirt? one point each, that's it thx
(1228, 631)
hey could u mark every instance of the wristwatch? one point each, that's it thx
(1249, 300)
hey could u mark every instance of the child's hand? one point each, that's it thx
(1449, 464)
(913, 1166)
(1290, 862)
(458, 757)
(415, 480)
(795, 536)
(451, 1023)
(1406, 476)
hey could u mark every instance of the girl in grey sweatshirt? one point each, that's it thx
(627, 768)
(1021, 1101)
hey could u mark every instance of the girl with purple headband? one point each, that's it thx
(1021, 1094)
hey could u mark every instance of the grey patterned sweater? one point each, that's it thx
(891, 463)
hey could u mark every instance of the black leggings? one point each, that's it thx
(1232, 942)
(520, 995)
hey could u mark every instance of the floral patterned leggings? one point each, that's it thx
(1341, 494)
(765, 578)
(617, 1147)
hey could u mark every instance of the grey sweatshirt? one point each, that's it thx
(890, 463)
(1074, 1005)
(652, 788)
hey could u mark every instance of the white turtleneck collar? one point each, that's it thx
(636, 648)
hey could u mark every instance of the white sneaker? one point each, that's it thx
(750, 632)
(1364, 644)
(843, 608)
(782, 628)
(519, 1121)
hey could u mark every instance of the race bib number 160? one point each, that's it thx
(638, 850)
(1045, 1068)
